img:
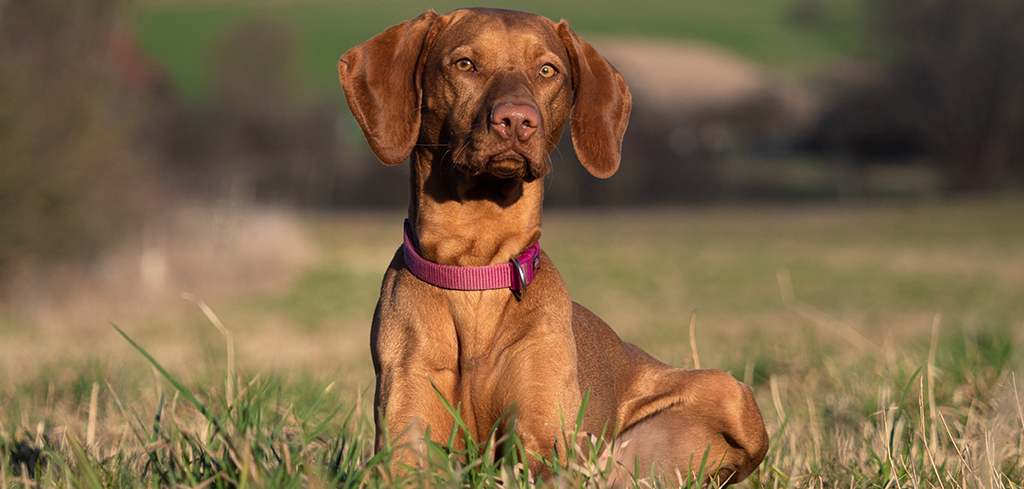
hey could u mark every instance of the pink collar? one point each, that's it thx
(516, 274)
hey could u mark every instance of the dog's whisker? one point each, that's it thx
(458, 153)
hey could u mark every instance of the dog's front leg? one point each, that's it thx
(407, 403)
(415, 357)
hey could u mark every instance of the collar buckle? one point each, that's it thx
(521, 275)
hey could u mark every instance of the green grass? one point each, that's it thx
(181, 35)
(843, 367)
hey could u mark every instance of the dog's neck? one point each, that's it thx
(465, 220)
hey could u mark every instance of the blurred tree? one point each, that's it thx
(69, 180)
(957, 78)
(265, 136)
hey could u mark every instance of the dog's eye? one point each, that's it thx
(548, 71)
(464, 65)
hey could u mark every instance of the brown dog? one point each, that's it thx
(479, 97)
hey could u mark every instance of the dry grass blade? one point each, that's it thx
(90, 431)
(934, 436)
(777, 399)
(819, 317)
(693, 340)
(212, 316)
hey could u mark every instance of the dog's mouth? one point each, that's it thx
(509, 164)
(509, 161)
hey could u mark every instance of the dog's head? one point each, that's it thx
(491, 87)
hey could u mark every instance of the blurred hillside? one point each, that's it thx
(113, 113)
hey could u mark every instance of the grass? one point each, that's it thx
(882, 342)
(181, 34)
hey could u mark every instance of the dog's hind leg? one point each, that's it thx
(713, 428)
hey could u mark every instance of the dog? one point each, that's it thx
(471, 309)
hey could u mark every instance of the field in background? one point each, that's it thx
(782, 34)
(828, 312)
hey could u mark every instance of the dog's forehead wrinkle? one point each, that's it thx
(490, 33)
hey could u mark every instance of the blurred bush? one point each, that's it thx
(951, 91)
(72, 177)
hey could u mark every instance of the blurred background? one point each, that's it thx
(153, 146)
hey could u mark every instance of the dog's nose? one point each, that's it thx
(516, 121)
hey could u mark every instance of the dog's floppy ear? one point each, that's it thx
(600, 106)
(382, 84)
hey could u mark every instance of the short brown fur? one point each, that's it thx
(436, 88)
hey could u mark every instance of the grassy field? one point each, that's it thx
(182, 34)
(882, 342)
